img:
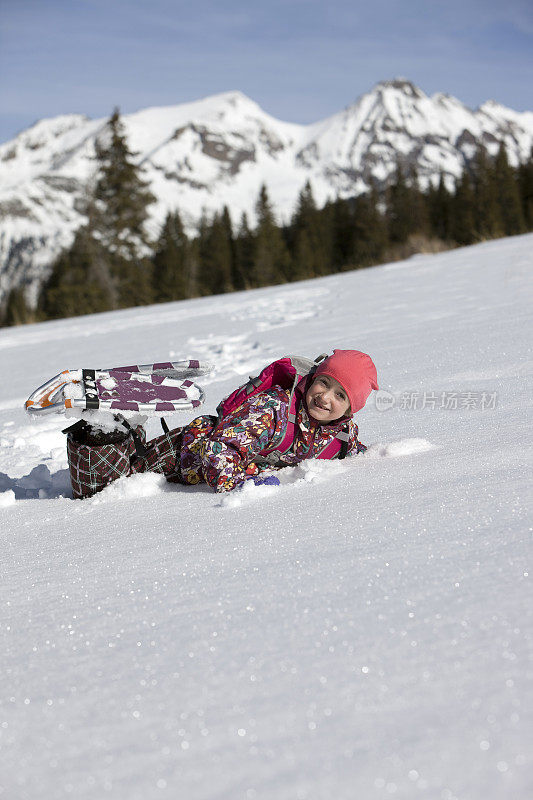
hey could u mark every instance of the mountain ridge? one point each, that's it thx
(219, 150)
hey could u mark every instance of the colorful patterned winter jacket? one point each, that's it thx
(222, 453)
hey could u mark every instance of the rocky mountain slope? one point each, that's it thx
(218, 151)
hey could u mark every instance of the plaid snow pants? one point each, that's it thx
(92, 468)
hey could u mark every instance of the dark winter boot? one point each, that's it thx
(96, 458)
(84, 433)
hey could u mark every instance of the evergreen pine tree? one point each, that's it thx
(121, 196)
(79, 281)
(217, 261)
(227, 227)
(440, 210)
(418, 206)
(244, 255)
(171, 261)
(271, 261)
(303, 256)
(525, 183)
(370, 230)
(201, 245)
(399, 210)
(340, 222)
(308, 238)
(487, 217)
(106, 266)
(118, 212)
(194, 285)
(16, 310)
(508, 194)
(135, 281)
(462, 225)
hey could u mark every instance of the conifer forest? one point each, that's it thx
(112, 263)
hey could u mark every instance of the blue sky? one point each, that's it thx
(301, 60)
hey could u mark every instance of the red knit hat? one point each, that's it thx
(355, 372)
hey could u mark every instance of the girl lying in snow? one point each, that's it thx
(226, 451)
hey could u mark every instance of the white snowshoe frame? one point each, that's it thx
(49, 398)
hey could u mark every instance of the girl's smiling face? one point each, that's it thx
(326, 399)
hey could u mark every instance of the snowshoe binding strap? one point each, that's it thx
(89, 385)
(140, 449)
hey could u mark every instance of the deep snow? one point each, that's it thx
(362, 631)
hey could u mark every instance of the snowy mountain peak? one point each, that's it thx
(401, 85)
(219, 150)
(234, 98)
(40, 136)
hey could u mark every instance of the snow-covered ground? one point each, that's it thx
(360, 632)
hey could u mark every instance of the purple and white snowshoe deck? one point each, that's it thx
(157, 388)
